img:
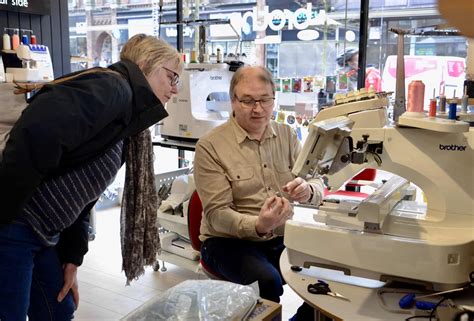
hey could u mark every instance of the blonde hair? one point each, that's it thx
(264, 76)
(149, 53)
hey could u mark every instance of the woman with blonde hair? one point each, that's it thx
(60, 155)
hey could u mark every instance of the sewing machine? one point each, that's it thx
(389, 236)
(202, 102)
(29, 63)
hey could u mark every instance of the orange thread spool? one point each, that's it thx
(416, 96)
(15, 41)
(432, 111)
(193, 56)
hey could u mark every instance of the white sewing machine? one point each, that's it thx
(202, 102)
(387, 236)
(36, 64)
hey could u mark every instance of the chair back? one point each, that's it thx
(194, 220)
(194, 226)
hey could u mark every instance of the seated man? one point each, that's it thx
(241, 168)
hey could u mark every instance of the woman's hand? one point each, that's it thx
(70, 283)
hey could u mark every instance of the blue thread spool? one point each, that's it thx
(452, 110)
(25, 40)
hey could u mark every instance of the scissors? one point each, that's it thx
(322, 287)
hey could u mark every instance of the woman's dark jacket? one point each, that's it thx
(66, 125)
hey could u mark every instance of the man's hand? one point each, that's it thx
(275, 212)
(298, 190)
(70, 283)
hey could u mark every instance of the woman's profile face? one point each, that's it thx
(164, 81)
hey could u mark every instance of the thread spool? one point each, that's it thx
(6, 42)
(219, 56)
(416, 96)
(193, 56)
(452, 110)
(213, 58)
(442, 104)
(25, 40)
(15, 40)
(464, 101)
(432, 110)
(33, 39)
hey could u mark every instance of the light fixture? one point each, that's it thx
(350, 35)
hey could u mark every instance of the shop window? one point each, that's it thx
(301, 55)
(438, 61)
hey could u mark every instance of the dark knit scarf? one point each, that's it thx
(138, 227)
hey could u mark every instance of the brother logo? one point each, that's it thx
(216, 77)
(452, 147)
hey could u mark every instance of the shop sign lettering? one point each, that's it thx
(276, 20)
(20, 3)
(42, 7)
(173, 32)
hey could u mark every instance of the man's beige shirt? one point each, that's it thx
(234, 175)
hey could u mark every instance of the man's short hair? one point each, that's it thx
(264, 76)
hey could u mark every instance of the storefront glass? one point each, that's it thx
(300, 42)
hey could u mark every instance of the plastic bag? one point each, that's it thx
(195, 300)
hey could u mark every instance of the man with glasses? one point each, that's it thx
(243, 177)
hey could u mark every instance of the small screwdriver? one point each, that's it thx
(407, 301)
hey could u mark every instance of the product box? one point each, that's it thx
(266, 311)
(331, 84)
(296, 85)
(286, 85)
(277, 82)
(308, 84)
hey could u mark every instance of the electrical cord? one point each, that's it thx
(418, 317)
(436, 306)
(377, 158)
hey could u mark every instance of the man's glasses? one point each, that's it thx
(265, 102)
(175, 79)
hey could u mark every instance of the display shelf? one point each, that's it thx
(175, 223)
(175, 144)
